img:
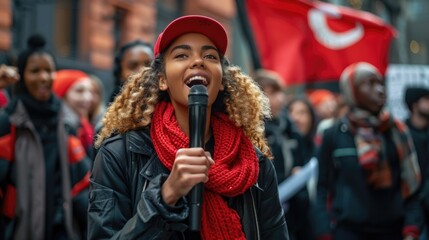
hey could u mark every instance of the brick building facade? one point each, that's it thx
(86, 34)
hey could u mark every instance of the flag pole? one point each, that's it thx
(248, 34)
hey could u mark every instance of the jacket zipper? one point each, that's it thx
(145, 184)
(256, 216)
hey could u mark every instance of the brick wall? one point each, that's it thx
(97, 41)
(222, 10)
(139, 22)
(5, 24)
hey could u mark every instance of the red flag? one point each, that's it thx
(311, 41)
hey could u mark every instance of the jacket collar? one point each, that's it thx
(140, 143)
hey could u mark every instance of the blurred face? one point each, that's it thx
(327, 108)
(79, 97)
(301, 116)
(370, 94)
(277, 100)
(133, 59)
(423, 107)
(38, 76)
(191, 59)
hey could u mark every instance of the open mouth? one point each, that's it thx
(196, 80)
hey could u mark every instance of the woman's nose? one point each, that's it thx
(88, 96)
(197, 62)
(46, 76)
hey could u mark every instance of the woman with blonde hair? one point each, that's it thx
(145, 168)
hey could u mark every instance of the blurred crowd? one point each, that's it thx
(372, 181)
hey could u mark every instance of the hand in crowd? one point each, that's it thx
(410, 238)
(191, 167)
(295, 170)
(8, 75)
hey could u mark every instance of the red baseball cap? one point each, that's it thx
(192, 24)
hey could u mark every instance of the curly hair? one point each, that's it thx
(242, 100)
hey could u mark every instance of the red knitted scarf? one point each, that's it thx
(235, 170)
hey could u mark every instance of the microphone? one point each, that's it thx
(197, 108)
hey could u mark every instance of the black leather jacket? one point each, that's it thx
(125, 199)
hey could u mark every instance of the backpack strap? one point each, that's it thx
(13, 140)
(332, 137)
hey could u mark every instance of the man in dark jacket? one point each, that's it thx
(288, 149)
(417, 100)
(368, 168)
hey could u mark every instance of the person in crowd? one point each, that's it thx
(129, 59)
(369, 176)
(142, 175)
(324, 103)
(287, 147)
(323, 124)
(98, 108)
(283, 138)
(303, 116)
(44, 171)
(417, 101)
(74, 88)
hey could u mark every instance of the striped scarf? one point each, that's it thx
(372, 154)
(235, 170)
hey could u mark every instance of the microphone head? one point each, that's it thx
(198, 95)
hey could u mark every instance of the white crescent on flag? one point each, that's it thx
(317, 20)
(312, 42)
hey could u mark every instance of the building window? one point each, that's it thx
(66, 29)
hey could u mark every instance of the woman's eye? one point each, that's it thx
(210, 56)
(181, 55)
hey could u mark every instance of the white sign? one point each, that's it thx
(291, 185)
(398, 77)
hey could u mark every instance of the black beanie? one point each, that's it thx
(413, 94)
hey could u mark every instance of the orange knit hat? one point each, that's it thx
(64, 79)
(318, 96)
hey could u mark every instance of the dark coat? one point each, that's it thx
(125, 200)
(421, 143)
(66, 184)
(352, 203)
(288, 147)
(286, 144)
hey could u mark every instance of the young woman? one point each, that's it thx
(142, 176)
(303, 116)
(44, 171)
(74, 88)
(129, 59)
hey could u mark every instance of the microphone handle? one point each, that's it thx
(196, 196)
(197, 135)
